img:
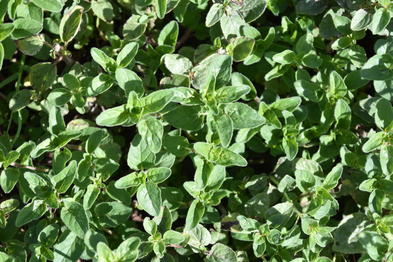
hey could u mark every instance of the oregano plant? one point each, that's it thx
(196, 130)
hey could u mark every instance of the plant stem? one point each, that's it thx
(18, 129)
(17, 87)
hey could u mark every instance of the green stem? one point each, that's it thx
(8, 80)
(20, 72)
(17, 87)
(19, 128)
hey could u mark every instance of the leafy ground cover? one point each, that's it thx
(196, 130)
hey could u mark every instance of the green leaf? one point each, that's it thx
(95, 140)
(361, 20)
(185, 117)
(8, 179)
(338, 87)
(333, 177)
(177, 64)
(129, 81)
(308, 90)
(91, 195)
(214, 15)
(288, 104)
(384, 114)
(151, 130)
(42, 75)
(228, 94)
(216, 66)
(231, 24)
(375, 245)
(342, 111)
(285, 57)
(173, 237)
(139, 155)
(376, 68)
(311, 7)
(194, 214)
(291, 147)
(68, 248)
(5, 30)
(168, 35)
(20, 100)
(305, 174)
(241, 48)
(127, 251)
(104, 253)
(74, 217)
(161, 7)
(149, 198)
(112, 117)
(127, 54)
(32, 45)
(158, 174)
(101, 58)
(30, 212)
(103, 9)
(156, 101)
(243, 116)
(49, 5)
(70, 24)
(252, 9)
(130, 180)
(101, 83)
(380, 20)
(386, 159)
(63, 180)
(112, 214)
(221, 252)
(25, 27)
(219, 155)
(134, 27)
(224, 127)
(38, 184)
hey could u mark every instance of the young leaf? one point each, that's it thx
(149, 198)
(112, 117)
(102, 59)
(332, 178)
(214, 15)
(219, 155)
(127, 54)
(130, 180)
(63, 180)
(160, 6)
(70, 24)
(158, 174)
(224, 127)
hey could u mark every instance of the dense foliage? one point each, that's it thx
(190, 130)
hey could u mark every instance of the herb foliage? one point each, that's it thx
(190, 130)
